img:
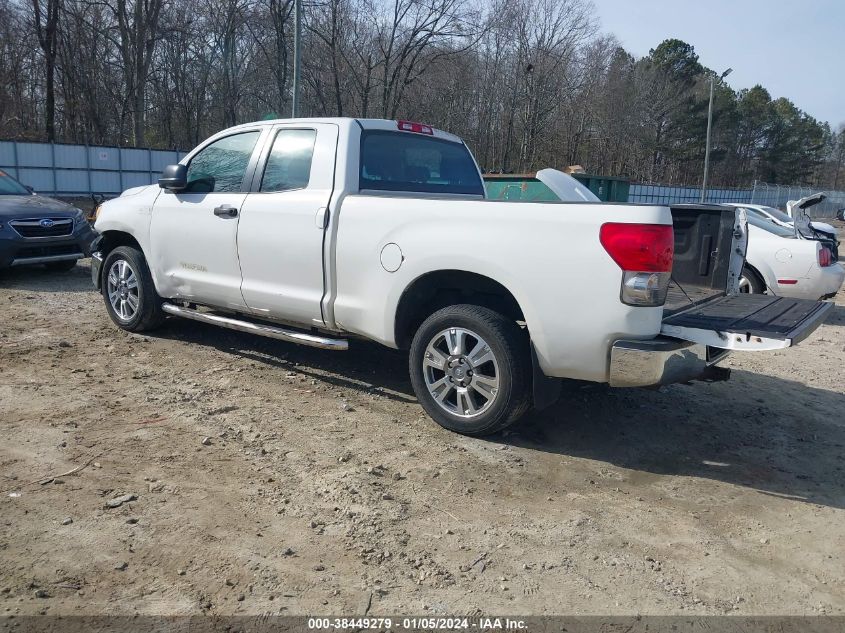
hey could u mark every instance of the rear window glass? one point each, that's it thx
(401, 161)
(767, 225)
(780, 215)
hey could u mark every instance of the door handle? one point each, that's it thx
(226, 211)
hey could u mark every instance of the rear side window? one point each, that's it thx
(289, 162)
(399, 161)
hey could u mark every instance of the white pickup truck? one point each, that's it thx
(318, 231)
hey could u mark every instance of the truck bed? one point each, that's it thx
(703, 246)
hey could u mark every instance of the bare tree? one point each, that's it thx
(138, 32)
(527, 83)
(45, 15)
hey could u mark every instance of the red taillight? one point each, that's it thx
(639, 247)
(419, 128)
(644, 252)
(825, 257)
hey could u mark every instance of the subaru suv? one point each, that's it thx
(39, 230)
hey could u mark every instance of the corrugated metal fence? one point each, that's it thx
(761, 193)
(76, 170)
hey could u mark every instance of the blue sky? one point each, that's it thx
(793, 49)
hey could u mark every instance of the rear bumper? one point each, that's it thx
(820, 283)
(662, 361)
(831, 279)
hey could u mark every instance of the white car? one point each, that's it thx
(781, 218)
(780, 264)
(321, 231)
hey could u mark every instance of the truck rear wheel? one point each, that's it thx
(471, 369)
(128, 290)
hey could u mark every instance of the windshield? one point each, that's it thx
(768, 225)
(11, 187)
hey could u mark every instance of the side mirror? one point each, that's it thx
(174, 178)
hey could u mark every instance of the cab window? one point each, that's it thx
(399, 161)
(221, 166)
(289, 163)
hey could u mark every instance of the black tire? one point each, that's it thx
(755, 286)
(510, 349)
(148, 315)
(61, 266)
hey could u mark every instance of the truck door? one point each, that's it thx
(193, 233)
(280, 235)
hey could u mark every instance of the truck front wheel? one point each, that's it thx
(471, 369)
(128, 290)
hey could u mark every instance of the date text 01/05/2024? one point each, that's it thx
(411, 623)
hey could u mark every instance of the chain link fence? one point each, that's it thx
(760, 193)
(778, 195)
(672, 194)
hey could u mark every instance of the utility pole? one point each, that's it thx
(297, 56)
(709, 124)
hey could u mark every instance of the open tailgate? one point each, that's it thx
(703, 306)
(747, 322)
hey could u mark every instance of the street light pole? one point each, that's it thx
(297, 56)
(709, 125)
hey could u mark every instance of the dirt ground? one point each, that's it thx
(269, 478)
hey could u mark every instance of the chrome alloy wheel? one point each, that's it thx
(745, 285)
(461, 372)
(122, 286)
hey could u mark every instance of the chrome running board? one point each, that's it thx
(270, 331)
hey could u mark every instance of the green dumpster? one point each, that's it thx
(606, 188)
(523, 187)
(527, 188)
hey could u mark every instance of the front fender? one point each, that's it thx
(126, 221)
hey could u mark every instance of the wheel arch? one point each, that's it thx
(110, 240)
(107, 241)
(436, 289)
(760, 277)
